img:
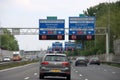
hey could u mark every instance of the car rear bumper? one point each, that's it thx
(55, 74)
(94, 62)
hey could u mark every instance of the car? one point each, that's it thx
(81, 61)
(94, 60)
(55, 65)
(6, 59)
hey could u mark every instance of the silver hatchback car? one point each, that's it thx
(55, 65)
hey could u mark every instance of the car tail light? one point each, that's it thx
(65, 63)
(45, 63)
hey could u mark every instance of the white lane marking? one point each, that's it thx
(113, 72)
(80, 75)
(86, 79)
(27, 78)
(35, 73)
(76, 71)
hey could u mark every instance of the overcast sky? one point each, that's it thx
(26, 13)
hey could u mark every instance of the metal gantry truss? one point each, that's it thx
(35, 31)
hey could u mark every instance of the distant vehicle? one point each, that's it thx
(6, 59)
(94, 60)
(55, 65)
(81, 61)
(16, 56)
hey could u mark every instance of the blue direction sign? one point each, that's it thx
(69, 46)
(57, 46)
(81, 27)
(51, 29)
(79, 46)
(49, 50)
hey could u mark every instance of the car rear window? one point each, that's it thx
(81, 58)
(55, 58)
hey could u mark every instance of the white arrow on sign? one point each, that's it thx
(73, 32)
(44, 32)
(89, 32)
(59, 32)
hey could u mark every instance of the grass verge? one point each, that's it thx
(15, 64)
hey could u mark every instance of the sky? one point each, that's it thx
(26, 13)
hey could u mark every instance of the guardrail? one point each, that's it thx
(112, 63)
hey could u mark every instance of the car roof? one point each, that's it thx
(55, 54)
(81, 57)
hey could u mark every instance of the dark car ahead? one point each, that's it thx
(55, 65)
(81, 61)
(94, 60)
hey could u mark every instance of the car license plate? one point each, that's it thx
(56, 70)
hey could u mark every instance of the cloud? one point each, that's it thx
(31, 5)
(23, 3)
(52, 5)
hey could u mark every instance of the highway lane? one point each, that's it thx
(91, 72)
(19, 73)
(95, 72)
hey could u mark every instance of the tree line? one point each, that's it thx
(107, 15)
(8, 41)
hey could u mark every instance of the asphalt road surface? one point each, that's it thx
(91, 72)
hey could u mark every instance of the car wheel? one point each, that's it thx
(76, 64)
(98, 63)
(41, 76)
(68, 77)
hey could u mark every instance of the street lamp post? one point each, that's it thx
(108, 34)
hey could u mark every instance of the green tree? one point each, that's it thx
(8, 41)
(102, 14)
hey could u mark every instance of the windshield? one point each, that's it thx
(55, 58)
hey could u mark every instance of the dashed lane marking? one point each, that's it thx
(105, 70)
(76, 71)
(80, 75)
(113, 72)
(35, 73)
(26, 78)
